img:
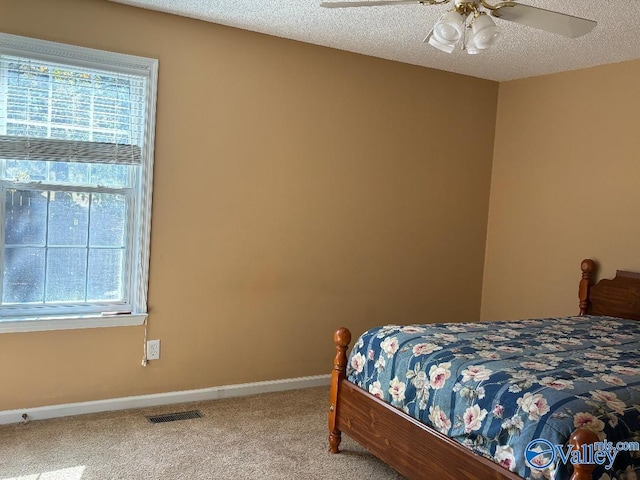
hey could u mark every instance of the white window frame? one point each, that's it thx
(137, 263)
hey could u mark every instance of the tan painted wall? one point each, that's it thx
(565, 186)
(297, 189)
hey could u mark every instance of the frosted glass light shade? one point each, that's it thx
(447, 48)
(470, 46)
(485, 32)
(449, 28)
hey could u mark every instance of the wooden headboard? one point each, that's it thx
(617, 297)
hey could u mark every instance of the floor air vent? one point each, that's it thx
(172, 417)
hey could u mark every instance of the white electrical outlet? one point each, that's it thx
(153, 349)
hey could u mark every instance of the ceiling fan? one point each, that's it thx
(470, 24)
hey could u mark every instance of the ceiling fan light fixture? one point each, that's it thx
(485, 32)
(448, 30)
(469, 24)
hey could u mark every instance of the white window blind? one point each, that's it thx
(55, 150)
(59, 112)
(76, 157)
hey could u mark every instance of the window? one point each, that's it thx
(76, 158)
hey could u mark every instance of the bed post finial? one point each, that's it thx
(579, 438)
(341, 338)
(588, 268)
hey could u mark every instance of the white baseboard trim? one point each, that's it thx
(141, 401)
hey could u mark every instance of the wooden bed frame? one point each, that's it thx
(420, 452)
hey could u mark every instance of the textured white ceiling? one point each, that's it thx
(397, 32)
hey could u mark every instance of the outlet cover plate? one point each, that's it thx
(153, 349)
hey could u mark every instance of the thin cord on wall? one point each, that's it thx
(144, 345)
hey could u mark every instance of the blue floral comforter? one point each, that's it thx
(495, 387)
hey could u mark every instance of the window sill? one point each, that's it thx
(42, 324)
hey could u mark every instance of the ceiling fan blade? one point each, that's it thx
(547, 20)
(370, 3)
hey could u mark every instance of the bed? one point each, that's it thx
(383, 401)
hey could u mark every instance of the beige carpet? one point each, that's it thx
(271, 436)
